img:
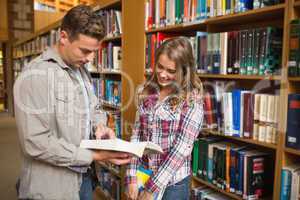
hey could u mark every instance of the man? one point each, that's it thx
(55, 109)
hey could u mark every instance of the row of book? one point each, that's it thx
(108, 90)
(38, 44)
(109, 184)
(113, 22)
(290, 182)
(109, 57)
(246, 52)
(294, 52)
(160, 13)
(234, 168)
(206, 193)
(241, 113)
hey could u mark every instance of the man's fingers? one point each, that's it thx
(117, 161)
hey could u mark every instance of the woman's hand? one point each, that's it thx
(145, 195)
(132, 193)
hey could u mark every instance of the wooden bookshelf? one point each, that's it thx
(133, 62)
(292, 151)
(230, 21)
(244, 77)
(231, 195)
(38, 33)
(276, 15)
(297, 4)
(294, 79)
(110, 105)
(115, 72)
(244, 140)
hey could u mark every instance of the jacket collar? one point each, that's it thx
(52, 54)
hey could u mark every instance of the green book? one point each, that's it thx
(195, 163)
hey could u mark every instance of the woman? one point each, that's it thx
(170, 114)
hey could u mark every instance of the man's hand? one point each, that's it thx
(103, 132)
(118, 158)
(133, 192)
(145, 195)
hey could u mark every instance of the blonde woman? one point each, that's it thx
(170, 114)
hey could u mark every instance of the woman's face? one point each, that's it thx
(165, 71)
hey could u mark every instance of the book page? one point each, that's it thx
(136, 148)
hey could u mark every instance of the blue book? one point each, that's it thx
(286, 179)
(236, 107)
(203, 9)
(240, 172)
(198, 10)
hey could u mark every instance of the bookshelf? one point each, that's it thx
(132, 71)
(60, 5)
(278, 16)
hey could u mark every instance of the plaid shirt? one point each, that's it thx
(175, 130)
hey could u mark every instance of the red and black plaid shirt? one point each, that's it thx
(175, 130)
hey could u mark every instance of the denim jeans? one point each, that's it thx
(178, 191)
(86, 189)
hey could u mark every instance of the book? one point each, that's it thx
(136, 148)
(293, 125)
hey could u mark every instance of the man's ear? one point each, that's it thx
(64, 37)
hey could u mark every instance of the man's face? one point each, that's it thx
(79, 51)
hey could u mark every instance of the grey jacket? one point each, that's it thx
(51, 121)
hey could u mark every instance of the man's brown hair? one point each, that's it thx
(83, 20)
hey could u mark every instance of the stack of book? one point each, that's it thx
(241, 113)
(160, 13)
(113, 22)
(290, 182)
(239, 169)
(109, 57)
(246, 52)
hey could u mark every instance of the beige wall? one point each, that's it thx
(43, 19)
(3, 22)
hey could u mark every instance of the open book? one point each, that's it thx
(135, 148)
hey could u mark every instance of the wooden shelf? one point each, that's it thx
(231, 195)
(233, 76)
(292, 151)
(266, 13)
(181, 28)
(117, 72)
(109, 105)
(28, 55)
(38, 33)
(244, 18)
(297, 4)
(109, 4)
(245, 140)
(112, 39)
(295, 79)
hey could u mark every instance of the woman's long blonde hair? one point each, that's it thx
(180, 51)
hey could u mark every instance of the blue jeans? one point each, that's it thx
(178, 191)
(86, 189)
